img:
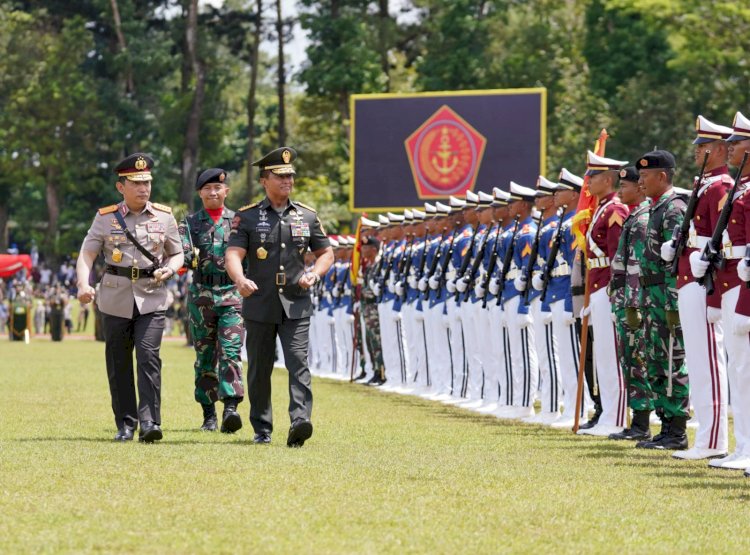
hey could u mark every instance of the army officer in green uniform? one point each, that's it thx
(274, 235)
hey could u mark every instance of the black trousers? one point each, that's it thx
(589, 371)
(142, 332)
(261, 348)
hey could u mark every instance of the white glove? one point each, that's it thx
(399, 289)
(433, 283)
(395, 316)
(391, 284)
(350, 318)
(335, 292)
(524, 320)
(698, 267)
(569, 319)
(462, 285)
(585, 311)
(713, 314)
(418, 316)
(494, 286)
(546, 317)
(479, 291)
(450, 285)
(537, 282)
(371, 284)
(422, 285)
(668, 251)
(412, 281)
(520, 283)
(347, 291)
(376, 289)
(741, 324)
(331, 321)
(743, 269)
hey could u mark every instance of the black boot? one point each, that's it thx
(231, 420)
(593, 421)
(639, 427)
(676, 439)
(210, 423)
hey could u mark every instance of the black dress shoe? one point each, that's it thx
(231, 421)
(593, 421)
(125, 433)
(299, 433)
(150, 432)
(633, 434)
(210, 422)
(361, 377)
(262, 438)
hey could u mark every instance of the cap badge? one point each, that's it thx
(623, 173)
(286, 156)
(222, 176)
(643, 162)
(140, 164)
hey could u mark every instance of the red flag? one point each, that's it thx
(356, 253)
(586, 201)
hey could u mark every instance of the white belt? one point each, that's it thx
(697, 241)
(731, 252)
(512, 274)
(561, 270)
(601, 262)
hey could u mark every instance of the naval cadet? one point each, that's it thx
(142, 249)
(273, 235)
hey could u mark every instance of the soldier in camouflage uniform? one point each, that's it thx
(661, 322)
(214, 305)
(369, 301)
(624, 293)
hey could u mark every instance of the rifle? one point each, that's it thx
(357, 346)
(194, 251)
(448, 254)
(492, 263)
(464, 266)
(407, 266)
(475, 264)
(435, 259)
(550, 262)
(712, 251)
(679, 237)
(405, 260)
(532, 259)
(508, 258)
(387, 273)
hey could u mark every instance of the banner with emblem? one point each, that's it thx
(408, 148)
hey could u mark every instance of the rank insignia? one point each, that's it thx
(261, 253)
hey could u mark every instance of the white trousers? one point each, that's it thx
(472, 320)
(706, 366)
(458, 349)
(344, 341)
(438, 346)
(496, 363)
(393, 342)
(549, 360)
(415, 355)
(568, 349)
(608, 373)
(738, 371)
(524, 364)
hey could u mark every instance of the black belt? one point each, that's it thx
(617, 281)
(653, 279)
(577, 290)
(130, 271)
(211, 279)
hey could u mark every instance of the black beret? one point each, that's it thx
(629, 173)
(211, 175)
(136, 167)
(278, 161)
(657, 159)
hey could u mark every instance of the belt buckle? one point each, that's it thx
(280, 278)
(135, 273)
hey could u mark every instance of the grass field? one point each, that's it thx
(382, 474)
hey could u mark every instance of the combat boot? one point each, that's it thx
(231, 420)
(677, 439)
(639, 427)
(210, 422)
(665, 425)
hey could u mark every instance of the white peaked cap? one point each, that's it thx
(333, 240)
(545, 187)
(456, 203)
(519, 192)
(568, 180)
(430, 209)
(485, 199)
(369, 223)
(708, 131)
(597, 164)
(740, 128)
(503, 196)
(472, 199)
(442, 208)
(383, 220)
(418, 214)
(395, 218)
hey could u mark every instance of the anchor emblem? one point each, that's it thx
(445, 160)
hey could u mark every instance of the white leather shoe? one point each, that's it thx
(698, 453)
(600, 430)
(563, 423)
(549, 418)
(735, 461)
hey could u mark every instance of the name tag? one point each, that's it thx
(301, 230)
(156, 227)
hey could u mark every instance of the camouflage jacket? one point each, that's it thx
(624, 286)
(658, 285)
(210, 285)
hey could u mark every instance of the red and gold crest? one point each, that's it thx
(445, 153)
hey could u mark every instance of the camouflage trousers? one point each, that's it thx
(372, 337)
(630, 351)
(671, 393)
(217, 338)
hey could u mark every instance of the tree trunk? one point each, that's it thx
(282, 76)
(123, 47)
(192, 134)
(53, 212)
(4, 217)
(251, 100)
(383, 34)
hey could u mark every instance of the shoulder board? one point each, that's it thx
(468, 233)
(162, 207)
(248, 206)
(305, 206)
(615, 218)
(108, 209)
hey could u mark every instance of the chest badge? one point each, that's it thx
(261, 253)
(116, 255)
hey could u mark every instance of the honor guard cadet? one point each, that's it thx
(704, 348)
(624, 293)
(142, 249)
(602, 238)
(214, 305)
(273, 236)
(738, 372)
(665, 352)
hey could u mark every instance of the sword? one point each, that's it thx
(671, 364)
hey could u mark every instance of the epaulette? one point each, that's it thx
(162, 207)
(305, 206)
(108, 209)
(248, 206)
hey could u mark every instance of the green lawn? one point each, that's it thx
(382, 473)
